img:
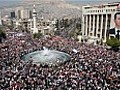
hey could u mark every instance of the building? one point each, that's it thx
(0, 19)
(30, 14)
(43, 25)
(6, 20)
(46, 26)
(34, 24)
(12, 14)
(22, 13)
(97, 19)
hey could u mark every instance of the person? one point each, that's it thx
(115, 32)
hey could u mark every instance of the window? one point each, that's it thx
(98, 30)
(98, 35)
(90, 34)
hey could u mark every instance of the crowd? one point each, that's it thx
(92, 67)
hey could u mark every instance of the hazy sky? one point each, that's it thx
(92, 0)
(70, 0)
(10, 0)
(67, 0)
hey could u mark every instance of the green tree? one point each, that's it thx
(37, 35)
(57, 24)
(114, 43)
(2, 35)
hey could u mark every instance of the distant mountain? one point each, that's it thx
(49, 8)
(7, 3)
(91, 2)
(52, 8)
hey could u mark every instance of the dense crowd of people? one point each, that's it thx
(91, 67)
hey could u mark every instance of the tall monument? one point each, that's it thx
(34, 14)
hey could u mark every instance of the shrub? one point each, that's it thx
(2, 35)
(37, 35)
(114, 43)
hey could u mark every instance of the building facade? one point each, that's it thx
(12, 15)
(97, 19)
(22, 13)
(43, 26)
(0, 19)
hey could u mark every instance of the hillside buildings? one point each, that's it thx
(97, 19)
(28, 20)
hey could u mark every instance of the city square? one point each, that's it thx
(52, 57)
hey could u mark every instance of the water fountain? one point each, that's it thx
(47, 56)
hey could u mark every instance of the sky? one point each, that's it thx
(9, 0)
(12, 2)
(65, 0)
(92, 0)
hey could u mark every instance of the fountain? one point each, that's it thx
(47, 56)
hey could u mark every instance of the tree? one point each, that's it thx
(2, 35)
(37, 35)
(57, 24)
(114, 43)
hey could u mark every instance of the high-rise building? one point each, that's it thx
(97, 19)
(0, 19)
(22, 13)
(30, 14)
(19, 14)
(12, 14)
